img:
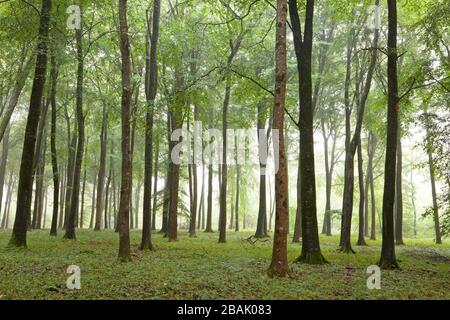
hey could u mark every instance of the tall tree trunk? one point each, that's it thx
(388, 259)
(54, 78)
(413, 203)
(75, 197)
(279, 265)
(94, 186)
(373, 231)
(3, 161)
(261, 230)
(24, 192)
(125, 188)
(11, 183)
(155, 186)
(37, 162)
(61, 196)
(238, 191)
(209, 201)
(361, 241)
(102, 170)
(437, 228)
(83, 188)
(298, 212)
(107, 201)
(72, 144)
(303, 48)
(166, 200)
(399, 195)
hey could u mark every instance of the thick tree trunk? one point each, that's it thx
(388, 259)
(279, 265)
(24, 192)
(303, 48)
(124, 207)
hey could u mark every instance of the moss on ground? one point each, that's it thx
(201, 268)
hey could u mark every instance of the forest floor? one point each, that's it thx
(201, 268)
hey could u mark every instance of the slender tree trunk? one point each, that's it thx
(373, 231)
(238, 191)
(437, 228)
(94, 186)
(388, 259)
(155, 186)
(61, 197)
(362, 199)
(11, 184)
(261, 230)
(83, 189)
(279, 265)
(3, 161)
(54, 78)
(413, 203)
(74, 199)
(399, 195)
(102, 170)
(24, 193)
(125, 188)
(209, 206)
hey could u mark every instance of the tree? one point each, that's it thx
(75, 197)
(279, 264)
(24, 192)
(124, 206)
(151, 89)
(388, 259)
(311, 253)
(56, 176)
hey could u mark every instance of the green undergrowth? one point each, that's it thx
(201, 268)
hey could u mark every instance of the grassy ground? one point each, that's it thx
(200, 268)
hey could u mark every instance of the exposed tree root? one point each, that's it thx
(315, 258)
(252, 239)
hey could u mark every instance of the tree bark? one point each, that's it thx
(24, 192)
(75, 197)
(125, 187)
(361, 241)
(399, 195)
(102, 170)
(311, 253)
(279, 265)
(388, 259)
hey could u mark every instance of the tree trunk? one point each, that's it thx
(11, 183)
(261, 230)
(388, 259)
(75, 197)
(209, 206)
(279, 265)
(362, 199)
(125, 188)
(238, 191)
(83, 189)
(413, 202)
(399, 195)
(437, 229)
(102, 170)
(24, 192)
(94, 186)
(303, 48)
(3, 161)
(155, 186)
